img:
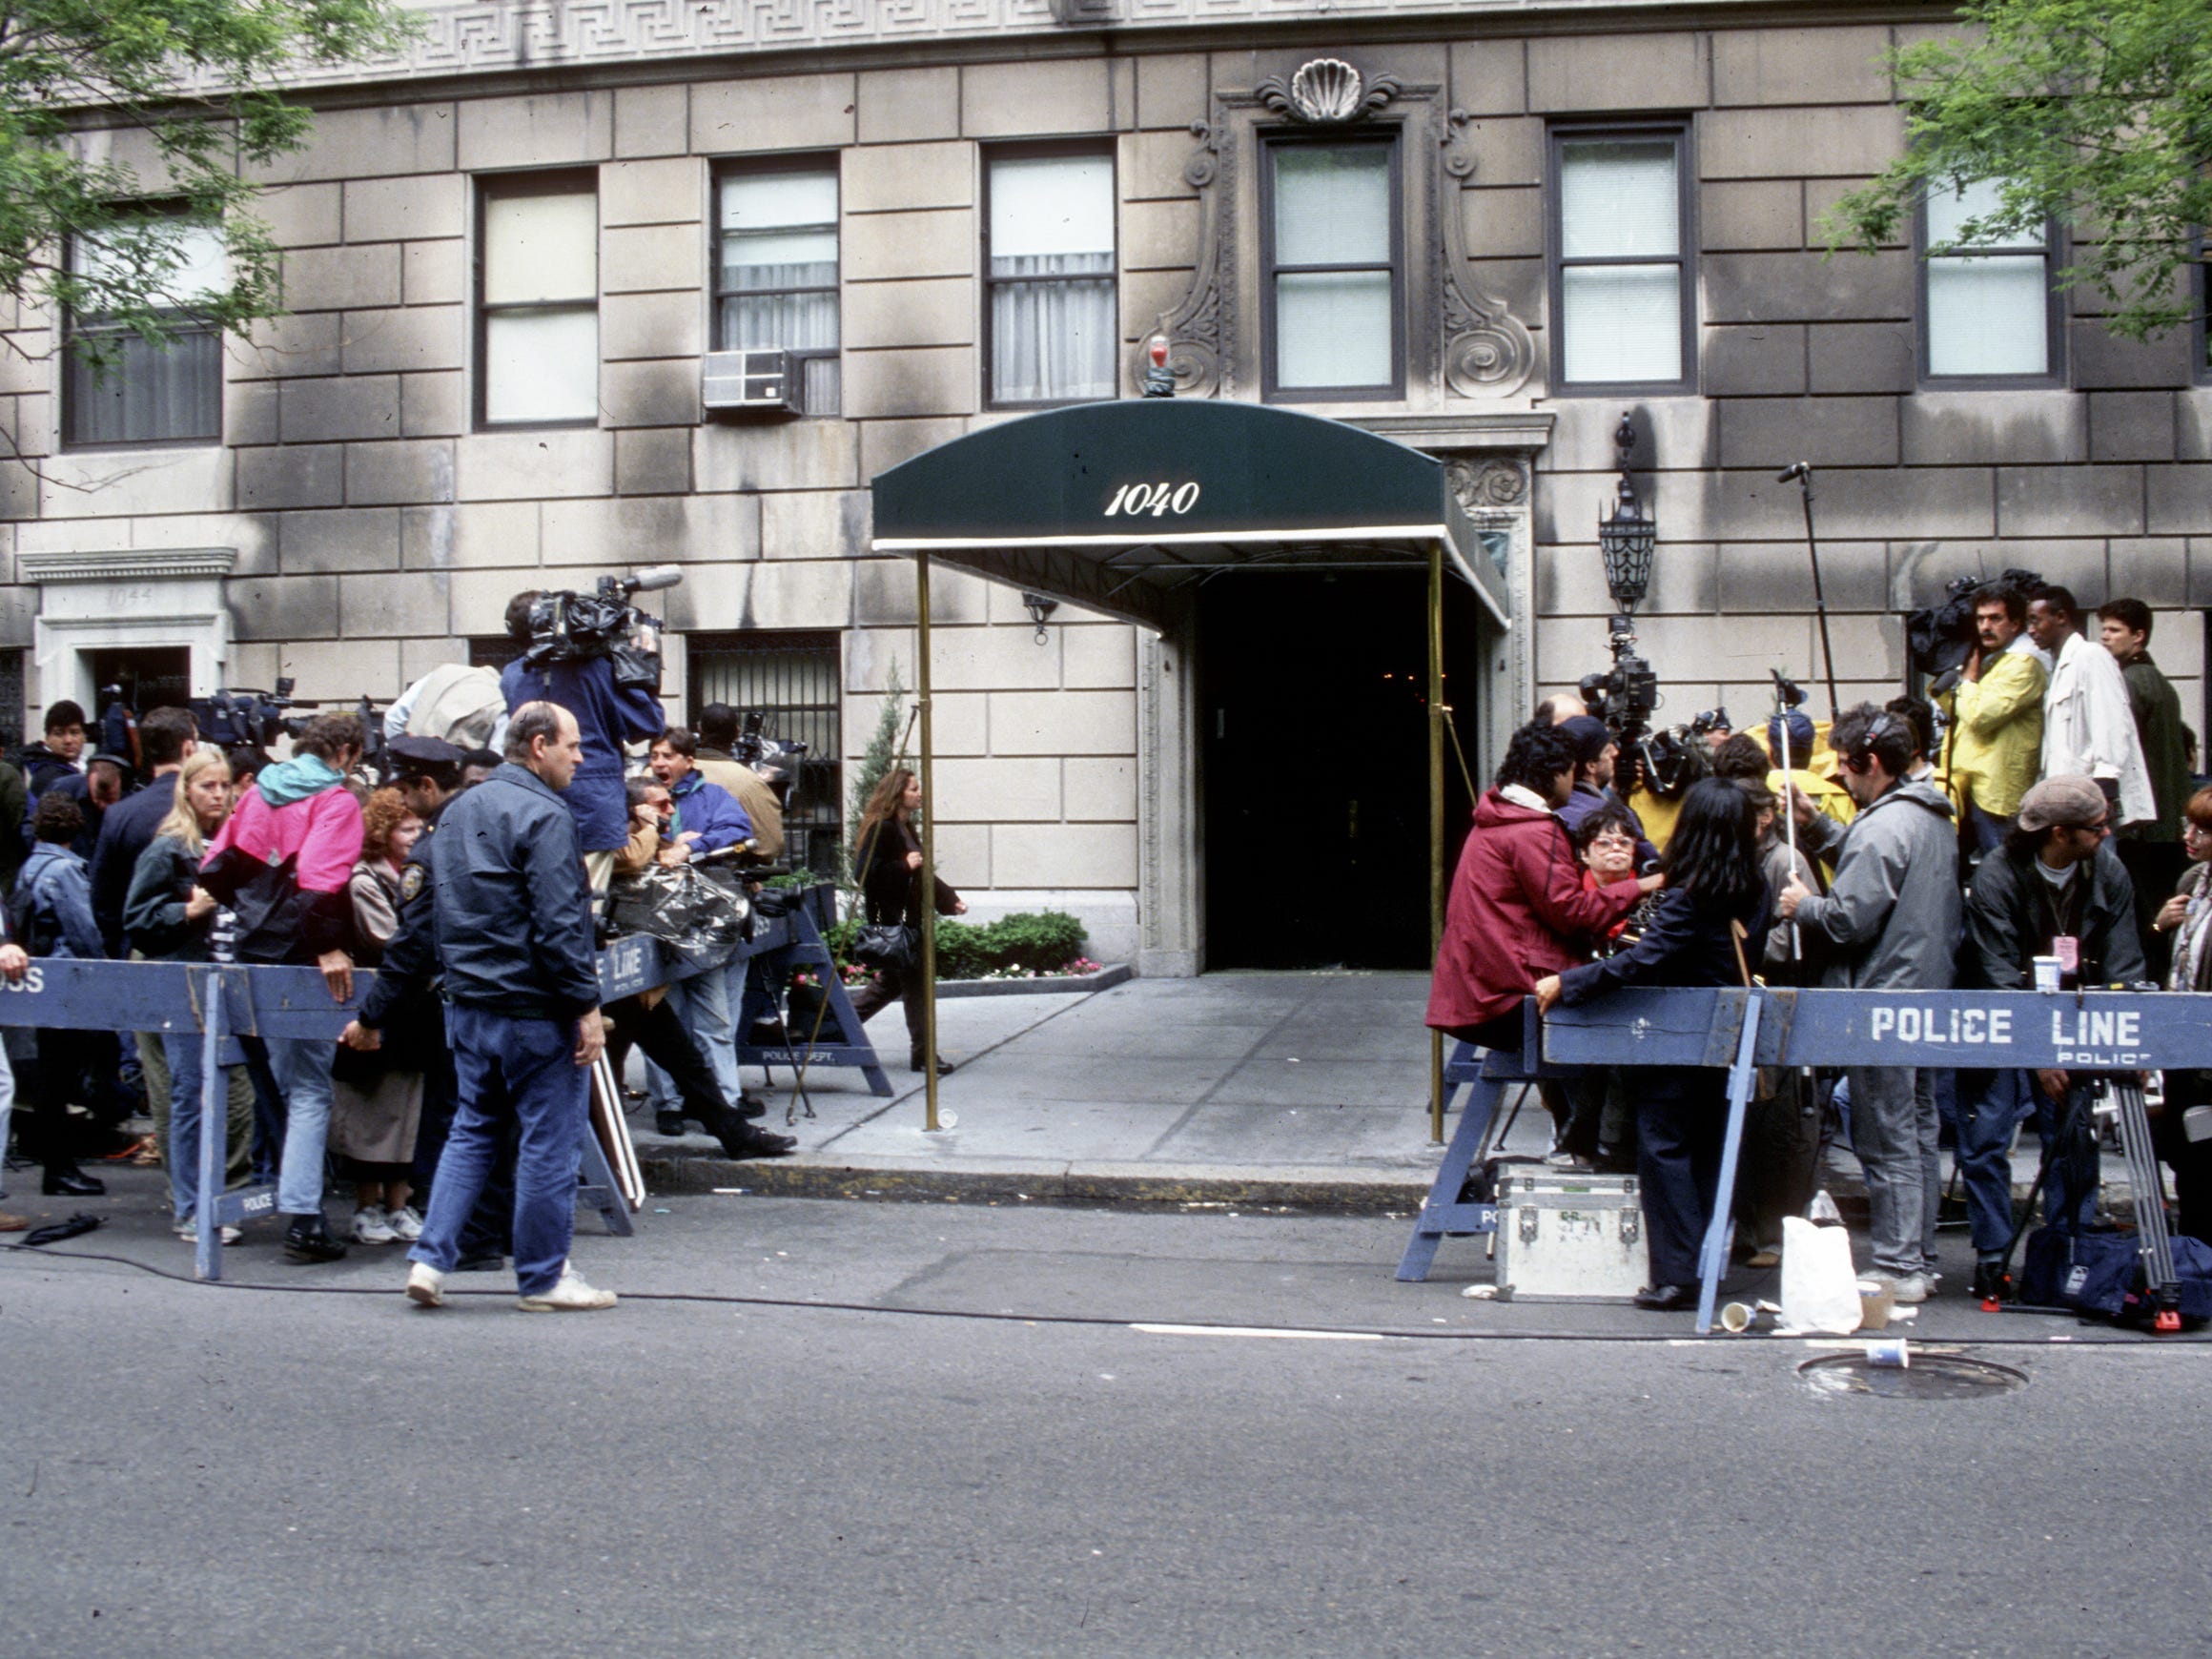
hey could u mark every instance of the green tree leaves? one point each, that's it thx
(2096, 114)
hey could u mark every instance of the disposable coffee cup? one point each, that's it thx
(1735, 1318)
(1891, 1354)
(2046, 972)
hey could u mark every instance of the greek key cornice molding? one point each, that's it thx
(125, 564)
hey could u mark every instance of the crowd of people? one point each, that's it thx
(2041, 806)
(451, 1106)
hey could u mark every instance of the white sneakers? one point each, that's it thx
(189, 1231)
(1906, 1288)
(372, 1226)
(426, 1288)
(405, 1222)
(570, 1296)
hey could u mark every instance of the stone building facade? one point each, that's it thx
(378, 487)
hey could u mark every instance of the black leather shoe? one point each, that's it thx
(309, 1239)
(668, 1123)
(742, 1139)
(945, 1068)
(1667, 1297)
(72, 1183)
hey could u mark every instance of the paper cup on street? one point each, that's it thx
(1891, 1354)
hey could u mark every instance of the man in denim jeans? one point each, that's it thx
(281, 863)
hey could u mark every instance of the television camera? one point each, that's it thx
(240, 716)
(776, 759)
(566, 625)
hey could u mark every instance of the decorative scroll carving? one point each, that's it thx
(1326, 93)
(1200, 332)
(1487, 353)
(1493, 482)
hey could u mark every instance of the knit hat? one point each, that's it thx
(2068, 800)
(1589, 736)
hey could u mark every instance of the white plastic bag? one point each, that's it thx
(1819, 1285)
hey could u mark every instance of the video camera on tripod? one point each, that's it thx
(566, 625)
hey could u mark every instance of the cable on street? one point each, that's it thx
(2103, 1338)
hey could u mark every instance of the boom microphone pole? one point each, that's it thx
(1802, 472)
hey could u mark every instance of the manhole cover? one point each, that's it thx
(1929, 1377)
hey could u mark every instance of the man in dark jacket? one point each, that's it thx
(2152, 849)
(1889, 922)
(60, 755)
(167, 738)
(1596, 755)
(2056, 888)
(521, 986)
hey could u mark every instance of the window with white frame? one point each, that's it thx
(537, 300)
(1988, 311)
(1621, 285)
(1050, 274)
(775, 277)
(1334, 270)
(128, 390)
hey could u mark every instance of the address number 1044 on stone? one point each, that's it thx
(1157, 499)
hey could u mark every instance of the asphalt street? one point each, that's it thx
(984, 1451)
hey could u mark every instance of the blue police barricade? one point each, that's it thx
(223, 1000)
(2089, 1031)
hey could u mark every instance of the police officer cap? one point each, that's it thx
(426, 754)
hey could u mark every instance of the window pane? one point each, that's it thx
(540, 248)
(1618, 198)
(201, 268)
(1332, 207)
(1988, 316)
(1051, 342)
(797, 323)
(1621, 323)
(1052, 204)
(780, 259)
(542, 365)
(1949, 209)
(148, 395)
(766, 200)
(1332, 329)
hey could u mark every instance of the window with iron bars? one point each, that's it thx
(791, 680)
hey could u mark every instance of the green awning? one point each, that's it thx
(1125, 507)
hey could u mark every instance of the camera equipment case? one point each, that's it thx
(1569, 1236)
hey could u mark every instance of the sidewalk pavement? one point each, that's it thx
(1300, 1090)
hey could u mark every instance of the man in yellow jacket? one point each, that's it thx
(1997, 711)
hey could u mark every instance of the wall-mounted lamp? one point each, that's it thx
(1040, 610)
(1626, 536)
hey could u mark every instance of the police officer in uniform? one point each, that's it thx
(521, 983)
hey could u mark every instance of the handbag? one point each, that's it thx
(887, 945)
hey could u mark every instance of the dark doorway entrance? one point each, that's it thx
(1314, 761)
(151, 677)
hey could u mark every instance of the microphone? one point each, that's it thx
(1796, 469)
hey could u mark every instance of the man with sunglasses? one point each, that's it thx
(2056, 888)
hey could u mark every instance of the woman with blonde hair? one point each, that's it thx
(169, 917)
(886, 855)
(376, 1096)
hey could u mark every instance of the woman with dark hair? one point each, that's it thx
(887, 854)
(1519, 908)
(2188, 917)
(1716, 898)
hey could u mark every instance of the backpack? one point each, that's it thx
(31, 923)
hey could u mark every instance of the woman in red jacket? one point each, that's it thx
(1520, 910)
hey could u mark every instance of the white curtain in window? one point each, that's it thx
(1621, 323)
(1989, 315)
(1052, 342)
(542, 365)
(1332, 205)
(148, 395)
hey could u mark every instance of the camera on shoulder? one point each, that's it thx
(570, 626)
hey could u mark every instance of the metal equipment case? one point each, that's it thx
(1569, 1236)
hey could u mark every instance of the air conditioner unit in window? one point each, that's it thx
(761, 380)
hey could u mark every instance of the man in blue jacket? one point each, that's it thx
(708, 819)
(608, 714)
(521, 986)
